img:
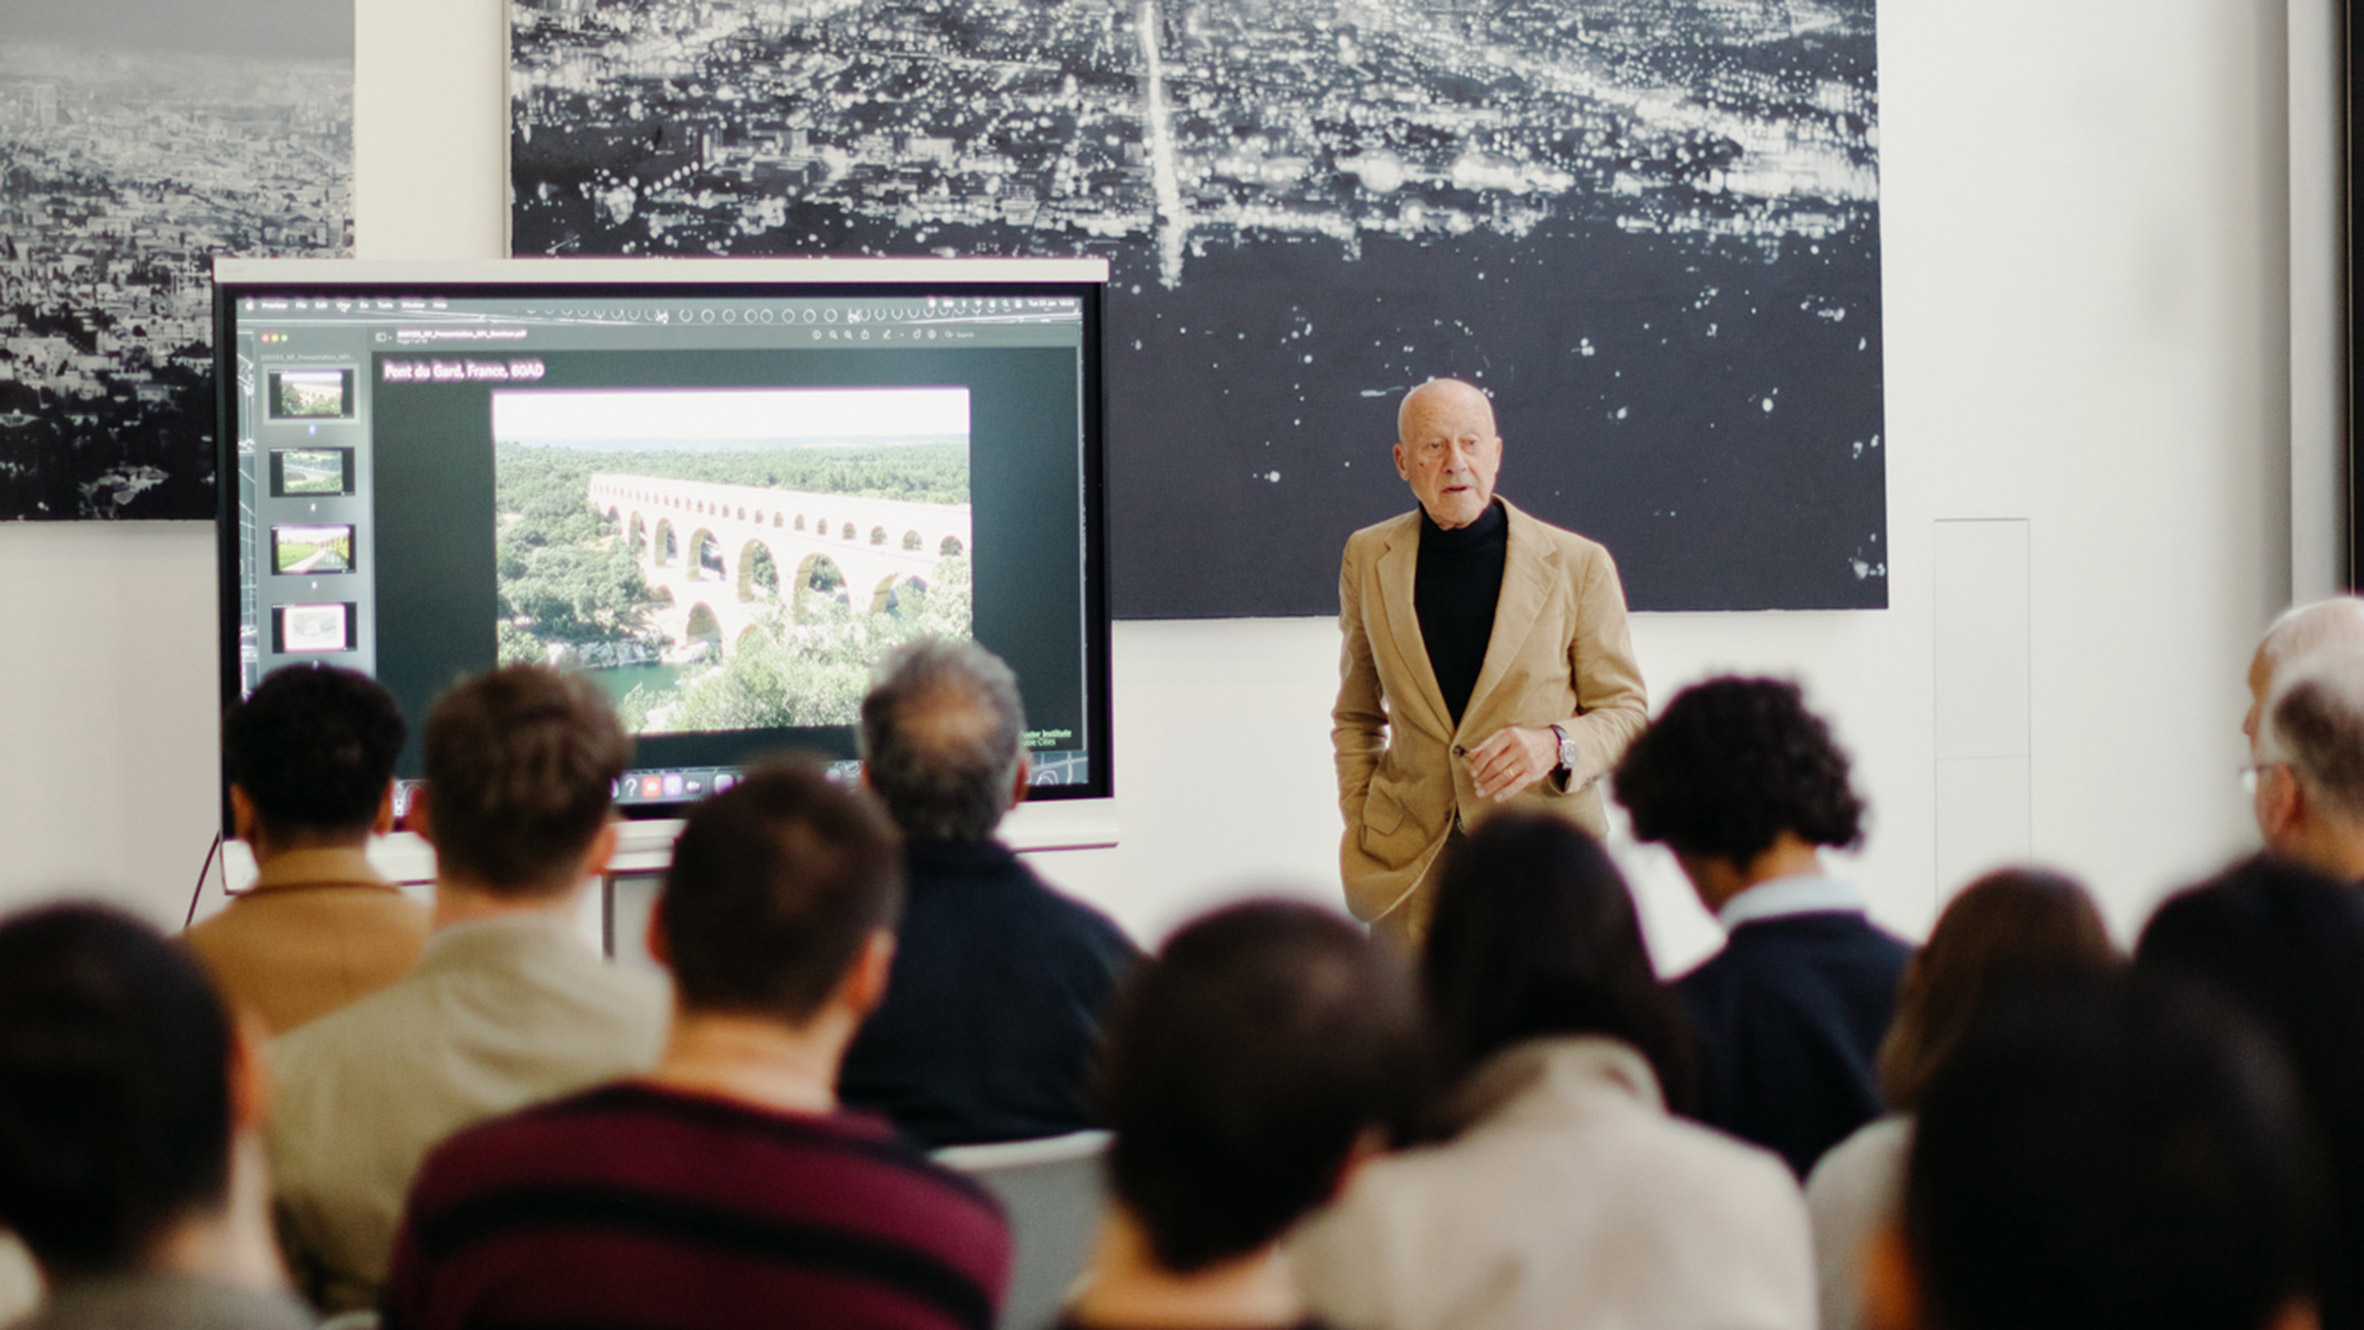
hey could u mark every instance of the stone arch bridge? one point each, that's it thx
(698, 542)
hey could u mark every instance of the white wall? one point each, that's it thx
(2087, 329)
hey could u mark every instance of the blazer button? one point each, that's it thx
(1459, 751)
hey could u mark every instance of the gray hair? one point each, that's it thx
(2315, 722)
(942, 736)
(2303, 630)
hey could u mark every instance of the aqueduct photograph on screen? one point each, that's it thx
(725, 560)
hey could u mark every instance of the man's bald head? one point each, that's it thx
(2333, 627)
(1447, 451)
(1448, 400)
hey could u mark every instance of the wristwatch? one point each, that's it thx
(1561, 774)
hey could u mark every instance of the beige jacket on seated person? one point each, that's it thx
(318, 931)
(498, 1014)
(1571, 1200)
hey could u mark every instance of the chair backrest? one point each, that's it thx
(1053, 1192)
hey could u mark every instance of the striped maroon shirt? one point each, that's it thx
(637, 1206)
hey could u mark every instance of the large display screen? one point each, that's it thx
(722, 491)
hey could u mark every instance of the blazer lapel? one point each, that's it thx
(1397, 567)
(1527, 571)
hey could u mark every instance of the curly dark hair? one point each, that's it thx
(313, 746)
(1730, 765)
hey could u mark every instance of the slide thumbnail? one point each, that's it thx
(311, 394)
(312, 628)
(312, 550)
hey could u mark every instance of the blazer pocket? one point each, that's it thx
(1382, 813)
(1391, 836)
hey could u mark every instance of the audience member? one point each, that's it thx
(1265, 1048)
(20, 1279)
(2334, 627)
(1000, 983)
(2011, 925)
(1565, 1195)
(2103, 1156)
(506, 1006)
(2308, 779)
(129, 1106)
(2287, 947)
(726, 1189)
(310, 760)
(1745, 785)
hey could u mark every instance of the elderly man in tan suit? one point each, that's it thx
(1486, 664)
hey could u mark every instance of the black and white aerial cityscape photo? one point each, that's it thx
(1649, 228)
(124, 172)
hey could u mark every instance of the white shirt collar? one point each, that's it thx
(1774, 898)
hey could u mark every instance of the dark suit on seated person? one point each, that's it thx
(1745, 785)
(999, 984)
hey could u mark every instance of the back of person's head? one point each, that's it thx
(942, 738)
(776, 886)
(1730, 765)
(2109, 1155)
(2012, 924)
(2335, 624)
(2286, 946)
(115, 1112)
(521, 770)
(313, 747)
(2314, 720)
(1535, 934)
(1242, 1066)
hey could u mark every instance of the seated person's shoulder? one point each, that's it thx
(1089, 926)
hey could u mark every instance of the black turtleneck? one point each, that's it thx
(1453, 593)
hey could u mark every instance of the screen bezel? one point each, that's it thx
(238, 280)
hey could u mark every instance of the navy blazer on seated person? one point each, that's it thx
(993, 1004)
(1789, 1018)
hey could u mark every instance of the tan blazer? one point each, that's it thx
(1559, 655)
(319, 930)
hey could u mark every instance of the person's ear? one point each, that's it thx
(1402, 472)
(2281, 801)
(1891, 1284)
(384, 821)
(1025, 780)
(602, 851)
(249, 1073)
(1370, 1143)
(242, 818)
(865, 982)
(660, 945)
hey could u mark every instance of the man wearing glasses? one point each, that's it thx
(2305, 726)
